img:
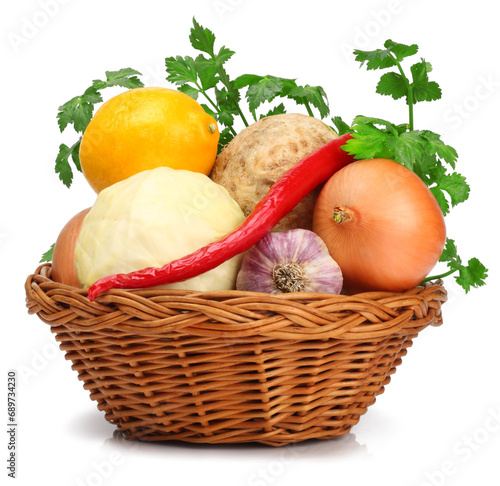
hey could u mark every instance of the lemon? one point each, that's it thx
(145, 128)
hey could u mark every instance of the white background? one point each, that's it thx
(438, 422)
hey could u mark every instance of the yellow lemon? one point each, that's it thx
(145, 128)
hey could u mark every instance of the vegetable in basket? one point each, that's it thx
(261, 153)
(381, 224)
(154, 217)
(296, 260)
(63, 257)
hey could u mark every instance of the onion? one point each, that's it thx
(63, 256)
(291, 261)
(381, 224)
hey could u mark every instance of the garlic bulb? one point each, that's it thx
(290, 261)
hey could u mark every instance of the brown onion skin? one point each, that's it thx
(396, 231)
(63, 256)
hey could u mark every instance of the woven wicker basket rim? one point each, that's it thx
(233, 313)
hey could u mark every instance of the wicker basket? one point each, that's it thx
(233, 366)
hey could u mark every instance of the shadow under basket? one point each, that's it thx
(233, 366)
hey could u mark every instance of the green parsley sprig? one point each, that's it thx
(471, 275)
(205, 76)
(421, 151)
(78, 112)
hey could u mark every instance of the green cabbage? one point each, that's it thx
(152, 218)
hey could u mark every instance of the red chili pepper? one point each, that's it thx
(283, 196)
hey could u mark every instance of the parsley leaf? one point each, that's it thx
(277, 110)
(78, 112)
(472, 275)
(261, 89)
(202, 39)
(423, 89)
(227, 107)
(47, 256)
(436, 146)
(368, 141)
(126, 78)
(314, 95)
(456, 187)
(182, 70)
(392, 84)
(63, 167)
(393, 54)
(401, 50)
(406, 148)
(341, 126)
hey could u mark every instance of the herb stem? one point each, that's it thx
(437, 277)
(410, 107)
(230, 90)
(409, 96)
(204, 93)
(308, 108)
(214, 106)
(242, 115)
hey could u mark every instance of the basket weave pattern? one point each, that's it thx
(232, 366)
